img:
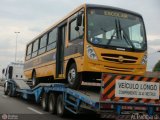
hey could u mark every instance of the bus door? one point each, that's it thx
(60, 50)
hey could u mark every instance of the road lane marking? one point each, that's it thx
(4, 96)
(36, 111)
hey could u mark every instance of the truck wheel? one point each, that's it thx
(34, 80)
(52, 103)
(73, 78)
(61, 111)
(10, 90)
(5, 89)
(44, 102)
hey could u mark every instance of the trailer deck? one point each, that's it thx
(87, 97)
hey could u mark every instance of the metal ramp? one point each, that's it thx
(22, 84)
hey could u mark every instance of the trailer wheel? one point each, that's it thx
(52, 103)
(44, 102)
(61, 111)
(34, 80)
(73, 77)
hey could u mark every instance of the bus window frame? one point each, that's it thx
(49, 44)
(35, 52)
(28, 56)
(44, 47)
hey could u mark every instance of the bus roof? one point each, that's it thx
(76, 9)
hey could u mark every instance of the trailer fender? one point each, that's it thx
(38, 93)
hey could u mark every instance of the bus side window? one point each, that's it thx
(52, 38)
(35, 48)
(74, 32)
(29, 50)
(43, 43)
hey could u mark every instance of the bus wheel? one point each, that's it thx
(52, 103)
(44, 102)
(34, 80)
(61, 111)
(73, 78)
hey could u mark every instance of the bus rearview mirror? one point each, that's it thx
(79, 20)
(77, 28)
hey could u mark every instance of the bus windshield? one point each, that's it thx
(115, 29)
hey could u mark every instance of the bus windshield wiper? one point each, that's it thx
(125, 36)
(115, 31)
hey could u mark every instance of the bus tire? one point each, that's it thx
(61, 111)
(73, 77)
(52, 103)
(44, 101)
(34, 80)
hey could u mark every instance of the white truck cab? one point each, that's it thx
(14, 71)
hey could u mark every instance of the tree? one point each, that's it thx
(157, 67)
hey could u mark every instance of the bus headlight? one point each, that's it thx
(91, 53)
(144, 60)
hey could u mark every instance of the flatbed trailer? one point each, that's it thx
(99, 98)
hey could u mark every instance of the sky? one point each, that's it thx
(31, 17)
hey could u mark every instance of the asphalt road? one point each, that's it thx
(17, 108)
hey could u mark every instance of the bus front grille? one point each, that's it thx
(119, 69)
(119, 58)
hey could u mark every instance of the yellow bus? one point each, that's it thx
(90, 40)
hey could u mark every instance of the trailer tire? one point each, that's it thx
(52, 103)
(61, 111)
(44, 101)
(74, 78)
